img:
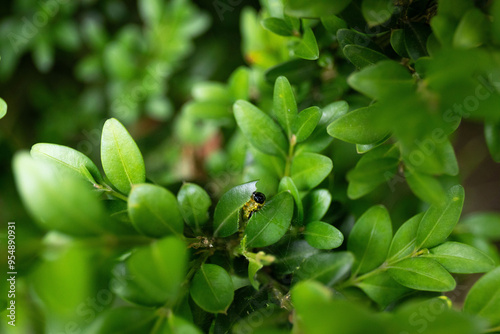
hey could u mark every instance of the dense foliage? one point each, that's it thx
(344, 117)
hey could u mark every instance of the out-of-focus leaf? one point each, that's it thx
(3, 108)
(483, 224)
(426, 187)
(483, 298)
(492, 135)
(67, 160)
(333, 23)
(381, 80)
(57, 201)
(472, 31)
(304, 8)
(377, 12)
(122, 320)
(153, 274)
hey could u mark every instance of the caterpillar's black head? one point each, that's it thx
(259, 197)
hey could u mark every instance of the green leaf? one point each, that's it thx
(327, 268)
(153, 211)
(284, 105)
(483, 298)
(227, 211)
(304, 8)
(404, 240)
(290, 256)
(373, 169)
(309, 169)
(492, 135)
(316, 204)
(253, 267)
(472, 31)
(67, 160)
(317, 312)
(123, 320)
(210, 91)
(260, 129)
(381, 80)
(209, 110)
(426, 187)
(212, 288)
(495, 26)
(383, 289)
(398, 42)
(443, 28)
(3, 108)
(431, 157)
(359, 126)
(57, 201)
(370, 238)
(320, 139)
(415, 36)
(194, 203)
(296, 70)
(461, 258)
(269, 224)
(333, 23)
(361, 56)
(422, 274)
(353, 37)
(483, 224)
(287, 184)
(377, 12)
(239, 83)
(323, 236)
(152, 275)
(277, 26)
(439, 221)
(151, 11)
(53, 282)
(305, 123)
(175, 325)
(121, 158)
(307, 47)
